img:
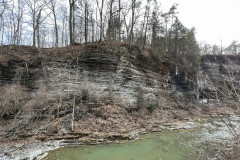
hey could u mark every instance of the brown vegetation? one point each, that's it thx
(11, 99)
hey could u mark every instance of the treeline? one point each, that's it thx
(56, 23)
(232, 49)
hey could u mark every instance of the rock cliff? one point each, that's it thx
(100, 88)
(96, 77)
(219, 78)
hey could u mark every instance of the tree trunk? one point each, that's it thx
(110, 23)
(56, 28)
(2, 29)
(143, 27)
(101, 21)
(73, 24)
(70, 21)
(18, 37)
(133, 16)
(38, 37)
(96, 27)
(92, 30)
(119, 19)
(63, 32)
(38, 28)
(86, 23)
(145, 34)
(34, 31)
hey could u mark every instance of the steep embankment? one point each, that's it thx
(104, 92)
(99, 89)
(219, 79)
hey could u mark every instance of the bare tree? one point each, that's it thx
(233, 48)
(38, 27)
(127, 26)
(35, 8)
(100, 8)
(52, 5)
(19, 17)
(133, 7)
(110, 20)
(3, 6)
(63, 27)
(71, 23)
(155, 24)
(145, 24)
(119, 20)
(92, 22)
(86, 13)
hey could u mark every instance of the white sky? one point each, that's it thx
(213, 19)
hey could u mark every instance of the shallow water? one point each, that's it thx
(156, 146)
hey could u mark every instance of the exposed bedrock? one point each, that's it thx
(44, 93)
(98, 77)
(219, 77)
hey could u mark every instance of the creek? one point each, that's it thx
(155, 146)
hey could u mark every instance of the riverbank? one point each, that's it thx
(102, 93)
(212, 140)
(36, 147)
(218, 139)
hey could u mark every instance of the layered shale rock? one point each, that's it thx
(102, 87)
(219, 77)
(95, 76)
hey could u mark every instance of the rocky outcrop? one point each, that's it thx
(219, 77)
(102, 92)
(96, 77)
(45, 92)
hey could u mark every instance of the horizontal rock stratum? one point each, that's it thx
(103, 89)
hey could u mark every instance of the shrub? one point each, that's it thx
(10, 98)
(151, 108)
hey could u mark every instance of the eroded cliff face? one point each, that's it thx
(104, 91)
(42, 92)
(106, 78)
(218, 78)
(124, 77)
(103, 87)
(103, 78)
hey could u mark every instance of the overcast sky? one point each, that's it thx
(213, 19)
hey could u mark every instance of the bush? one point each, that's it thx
(10, 98)
(151, 108)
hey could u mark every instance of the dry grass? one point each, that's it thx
(19, 53)
(4, 60)
(105, 119)
(231, 153)
(11, 98)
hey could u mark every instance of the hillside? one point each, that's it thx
(98, 90)
(111, 89)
